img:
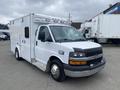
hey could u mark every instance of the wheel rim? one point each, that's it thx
(55, 71)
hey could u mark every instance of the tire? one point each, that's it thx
(57, 71)
(17, 55)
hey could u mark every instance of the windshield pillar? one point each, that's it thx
(51, 34)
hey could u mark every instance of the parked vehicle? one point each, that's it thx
(7, 34)
(3, 36)
(103, 29)
(54, 46)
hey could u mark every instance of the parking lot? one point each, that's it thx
(20, 75)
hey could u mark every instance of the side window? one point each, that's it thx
(44, 34)
(26, 31)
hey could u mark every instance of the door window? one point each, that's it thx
(26, 32)
(44, 34)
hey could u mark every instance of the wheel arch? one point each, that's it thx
(18, 48)
(50, 60)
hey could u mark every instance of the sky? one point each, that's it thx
(80, 10)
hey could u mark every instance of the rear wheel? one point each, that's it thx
(17, 55)
(57, 71)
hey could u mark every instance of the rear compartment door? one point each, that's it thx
(25, 39)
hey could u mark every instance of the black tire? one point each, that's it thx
(17, 55)
(59, 76)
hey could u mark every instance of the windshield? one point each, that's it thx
(66, 34)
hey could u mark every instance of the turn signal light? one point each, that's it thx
(73, 62)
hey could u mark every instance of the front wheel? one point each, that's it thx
(57, 71)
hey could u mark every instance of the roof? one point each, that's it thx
(44, 19)
(57, 25)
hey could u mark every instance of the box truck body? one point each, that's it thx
(104, 27)
(53, 46)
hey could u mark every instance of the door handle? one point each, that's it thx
(36, 43)
(23, 41)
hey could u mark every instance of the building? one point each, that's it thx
(77, 25)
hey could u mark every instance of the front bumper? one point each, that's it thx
(82, 71)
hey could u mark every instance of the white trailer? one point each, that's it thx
(103, 28)
(53, 46)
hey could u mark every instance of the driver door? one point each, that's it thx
(42, 47)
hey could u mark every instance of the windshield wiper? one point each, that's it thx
(62, 40)
(80, 39)
(68, 40)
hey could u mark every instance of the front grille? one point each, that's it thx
(94, 61)
(93, 52)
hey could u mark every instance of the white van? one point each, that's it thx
(54, 46)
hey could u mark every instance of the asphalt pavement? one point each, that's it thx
(20, 75)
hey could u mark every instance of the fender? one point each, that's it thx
(57, 56)
(49, 62)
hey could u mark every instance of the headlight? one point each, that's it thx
(74, 57)
(77, 54)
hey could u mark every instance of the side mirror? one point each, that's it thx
(42, 36)
(86, 31)
(49, 39)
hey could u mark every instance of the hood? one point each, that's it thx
(81, 45)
